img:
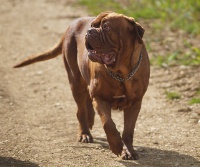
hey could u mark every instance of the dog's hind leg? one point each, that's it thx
(80, 93)
(90, 111)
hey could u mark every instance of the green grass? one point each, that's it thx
(172, 95)
(178, 58)
(183, 14)
(194, 101)
(165, 61)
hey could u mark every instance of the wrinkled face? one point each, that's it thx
(108, 33)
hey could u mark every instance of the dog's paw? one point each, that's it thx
(85, 138)
(116, 146)
(127, 155)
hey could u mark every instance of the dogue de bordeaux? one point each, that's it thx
(108, 68)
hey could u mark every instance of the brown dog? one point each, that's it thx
(108, 68)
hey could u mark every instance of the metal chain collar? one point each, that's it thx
(129, 76)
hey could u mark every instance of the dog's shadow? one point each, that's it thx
(9, 161)
(152, 157)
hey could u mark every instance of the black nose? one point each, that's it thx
(91, 31)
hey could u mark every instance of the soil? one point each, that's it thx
(38, 114)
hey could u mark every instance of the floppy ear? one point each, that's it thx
(140, 30)
(137, 28)
(96, 23)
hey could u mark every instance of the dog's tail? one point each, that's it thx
(52, 53)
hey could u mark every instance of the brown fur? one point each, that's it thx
(92, 86)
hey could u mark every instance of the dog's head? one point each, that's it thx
(112, 37)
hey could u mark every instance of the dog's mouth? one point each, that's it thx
(98, 56)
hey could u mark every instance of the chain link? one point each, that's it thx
(129, 76)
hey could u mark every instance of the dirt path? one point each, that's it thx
(38, 122)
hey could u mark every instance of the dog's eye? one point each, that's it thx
(105, 26)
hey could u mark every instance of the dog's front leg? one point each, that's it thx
(113, 136)
(130, 117)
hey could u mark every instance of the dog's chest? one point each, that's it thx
(107, 90)
(120, 99)
(118, 90)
